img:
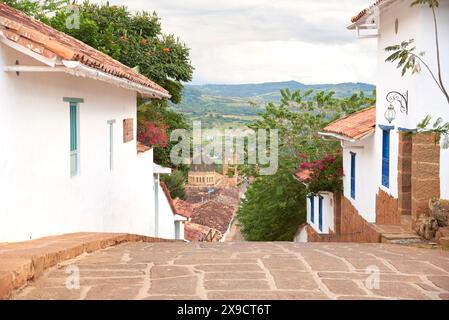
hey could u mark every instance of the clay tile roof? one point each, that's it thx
(213, 214)
(195, 232)
(354, 126)
(141, 148)
(303, 174)
(362, 13)
(183, 208)
(52, 44)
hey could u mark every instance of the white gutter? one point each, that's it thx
(77, 69)
(26, 51)
(344, 138)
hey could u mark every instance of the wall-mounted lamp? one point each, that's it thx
(395, 97)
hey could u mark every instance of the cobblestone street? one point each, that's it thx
(243, 270)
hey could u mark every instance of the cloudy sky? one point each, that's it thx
(241, 41)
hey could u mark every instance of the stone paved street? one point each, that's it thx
(242, 270)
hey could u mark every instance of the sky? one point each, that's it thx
(254, 41)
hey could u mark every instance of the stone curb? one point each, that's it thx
(22, 262)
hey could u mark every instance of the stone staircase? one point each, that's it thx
(398, 234)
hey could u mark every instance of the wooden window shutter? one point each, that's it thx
(128, 130)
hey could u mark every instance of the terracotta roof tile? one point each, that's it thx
(141, 148)
(362, 13)
(303, 174)
(354, 126)
(50, 43)
(195, 232)
(183, 208)
(214, 215)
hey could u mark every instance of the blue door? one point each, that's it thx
(353, 175)
(320, 212)
(312, 208)
(386, 158)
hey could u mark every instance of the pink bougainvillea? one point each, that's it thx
(151, 135)
(325, 174)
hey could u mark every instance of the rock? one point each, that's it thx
(444, 241)
(426, 227)
(442, 233)
(440, 210)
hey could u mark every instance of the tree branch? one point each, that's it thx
(440, 78)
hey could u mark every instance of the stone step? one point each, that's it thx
(400, 238)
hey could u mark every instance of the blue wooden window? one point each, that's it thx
(386, 158)
(312, 208)
(320, 212)
(353, 155)
(74, 126)
(74, 133)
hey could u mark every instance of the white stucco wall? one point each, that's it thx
(38, 197)
(166, 219)
(301, 235)
(328, 213)
(424, 96)
(366, 175)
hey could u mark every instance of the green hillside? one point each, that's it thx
(226, 106)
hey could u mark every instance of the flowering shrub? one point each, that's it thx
(325, 174)
(151, 135)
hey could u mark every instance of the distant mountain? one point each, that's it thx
(273, 88)
(225, 105)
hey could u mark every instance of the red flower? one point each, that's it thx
(166, 50)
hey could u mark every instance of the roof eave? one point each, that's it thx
(346, 138)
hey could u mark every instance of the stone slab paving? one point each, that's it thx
(246, 270)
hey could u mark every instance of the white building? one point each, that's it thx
(68, 158)
(390, 175)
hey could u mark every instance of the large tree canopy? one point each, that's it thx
(135, 39)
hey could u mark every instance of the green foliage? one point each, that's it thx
(431, 3)
(405, 56)
(439, 127)
(273, 207)
(135, 40)
(157, 112)
(176, 184)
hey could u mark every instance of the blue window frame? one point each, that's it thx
(320, 212)
(386, 158)
(74, 134)
(74, 154)
(312, 208)
(353, 157)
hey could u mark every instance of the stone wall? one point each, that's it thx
(425, 173)
(387, 209)
(353, 227)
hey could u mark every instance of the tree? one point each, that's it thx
(135, 40)
(176, 184)
(409, 60)
(273, 207)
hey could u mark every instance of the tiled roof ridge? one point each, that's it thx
(19, 25)
(362, 13)
(355, 125)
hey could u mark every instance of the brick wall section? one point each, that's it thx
(387, 209)
(353, 227)
(425, 173)
(337, 212)
(405, 174)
